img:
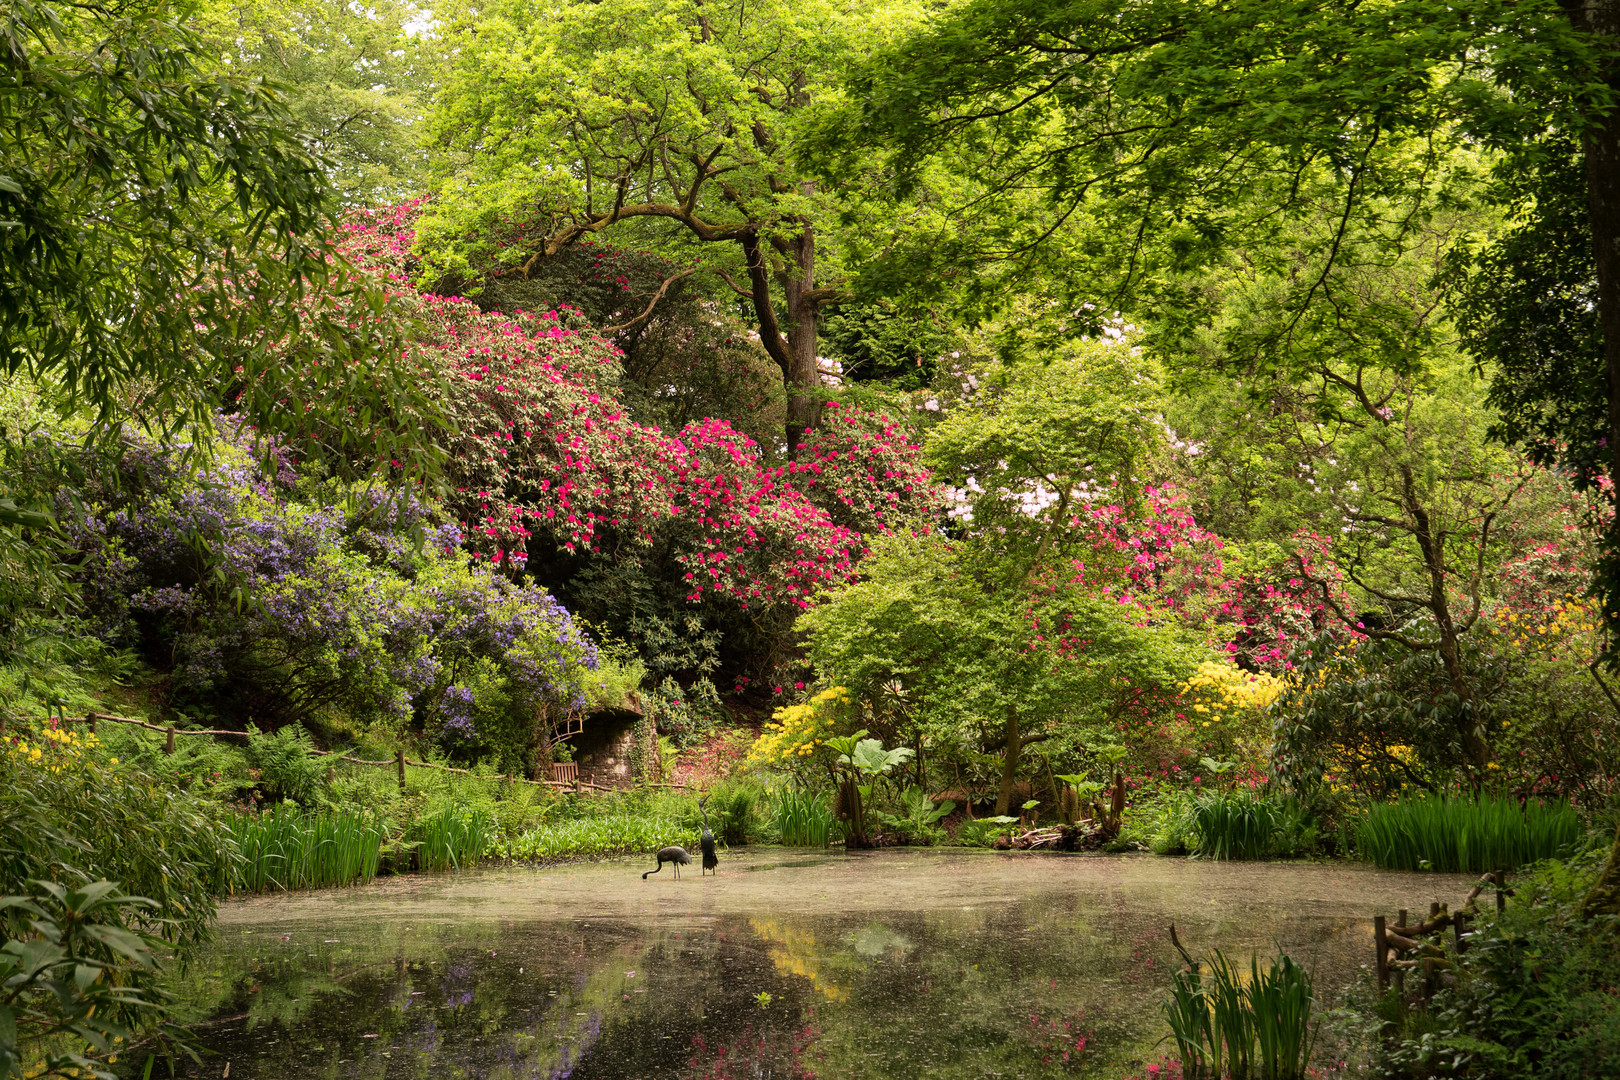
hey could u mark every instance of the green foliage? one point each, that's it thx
(454, 838)
(1536, 997)
(218, 238)
(66, 815)
(80, 962)
(284, 764)
(983, 832)
(1069, 429)
(867, 756)
(287, 848)
(1463, 835)
(79, 979)
(349, 79)
(732, 805)
(919, 817)
(874, 344)
(1233, 825)
(619, 833)
(1379, 716)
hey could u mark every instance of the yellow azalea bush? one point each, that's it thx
(1569, 622)
(796, 730)
(1225, 708)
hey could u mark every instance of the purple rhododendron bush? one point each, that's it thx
(262, 597)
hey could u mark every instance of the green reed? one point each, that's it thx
(1187, 1012)
(804, 818)
(1465, 836)
(285, 848)
(453, 838)
(1233, 825)
(1230, 1026)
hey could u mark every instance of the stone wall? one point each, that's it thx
(603, 749)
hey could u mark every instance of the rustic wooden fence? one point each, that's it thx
(565, 775)
(1421, 948)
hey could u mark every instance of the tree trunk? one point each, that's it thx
(1009, 763)
(793, 347)
(1601, 145)
(1433, 547)
(803, 376)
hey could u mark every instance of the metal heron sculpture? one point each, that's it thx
(675, 855)
(711, 861)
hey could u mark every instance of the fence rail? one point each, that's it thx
(1421, 947)
(398, 761)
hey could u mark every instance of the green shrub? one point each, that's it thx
(1465, 836)
(80, 979)
(731, 810)
(109, 822)
(982, 832)
(919, 817)
(609, 834)
(1537, 995)
(80, 956)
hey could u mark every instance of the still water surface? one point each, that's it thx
(904, 964)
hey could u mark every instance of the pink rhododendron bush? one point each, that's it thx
(548, 471)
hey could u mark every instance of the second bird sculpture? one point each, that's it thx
(711, 861)
(675, 855)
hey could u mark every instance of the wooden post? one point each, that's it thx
(168, 742)
(400, 758)
(1457, 921)
(1400, 973)
(1501, 891)
(1381, 942)
(90, 721)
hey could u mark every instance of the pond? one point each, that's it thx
(939, 963)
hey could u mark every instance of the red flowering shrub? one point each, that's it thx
(743, 531)
(864, 470)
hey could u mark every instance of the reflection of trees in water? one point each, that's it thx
(1039, 988)
(938, 993)
(795, 952)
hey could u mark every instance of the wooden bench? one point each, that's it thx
(565, 772)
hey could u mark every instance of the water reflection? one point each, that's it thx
(804, 969)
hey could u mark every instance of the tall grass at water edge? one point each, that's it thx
(804, 818)
(285, 848)
(1465, 836)
(453, 838)
(1232, 825)
(1227, 1025)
